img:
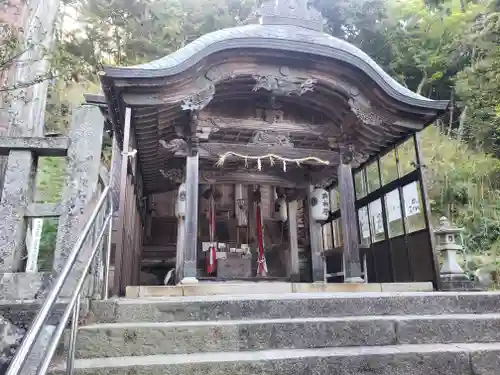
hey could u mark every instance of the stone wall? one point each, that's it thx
(10, 337)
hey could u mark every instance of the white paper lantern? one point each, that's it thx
(282, 211)
(320, 204)
(181, 201)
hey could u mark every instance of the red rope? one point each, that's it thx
(260, 267)
(211, 259)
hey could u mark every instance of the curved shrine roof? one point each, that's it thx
(287, 38)
(323, 93)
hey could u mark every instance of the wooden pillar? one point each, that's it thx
(352, 270)
(179, 254)
(427, 211)
(120, 235)
(114, 174)
(252, 228)
(316, 244)
(293, 271)
(128, 232)
(191, 226)
(179, 251)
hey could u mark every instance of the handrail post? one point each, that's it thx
(69, 309)
(107, 249)
(33, 333)
(70, 363)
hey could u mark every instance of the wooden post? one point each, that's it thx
(252, 228)
(179, 253)
(191, 229)
(352, 270)
(427, 210)
(120, 240)
(294, 271)
(114, 174)
(128, 230)
(316, 244)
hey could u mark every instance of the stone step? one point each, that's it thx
(430, 359)
(142, 339)
(292, 305)
(236, 287)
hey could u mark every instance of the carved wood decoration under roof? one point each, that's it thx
(281, 84)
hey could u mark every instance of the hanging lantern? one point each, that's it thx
(240, 204)
(181, 201)
(281, 209)
(320, 204)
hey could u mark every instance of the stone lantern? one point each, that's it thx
(453, 276)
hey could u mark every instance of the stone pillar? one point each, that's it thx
(19, 184)
(294, 270)
(352, 264)
(84, 158)
(27, 83)
(316, 244)
(191, 229)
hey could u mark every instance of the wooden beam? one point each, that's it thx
(289, 179)
(340, 249)
(349, 225)
(217, 123)
(40, 146)
(43, 210)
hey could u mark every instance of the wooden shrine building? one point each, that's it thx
(268, 151)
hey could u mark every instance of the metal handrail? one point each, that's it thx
(73, 307)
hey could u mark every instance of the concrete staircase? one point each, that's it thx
(316, 333)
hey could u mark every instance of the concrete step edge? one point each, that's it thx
(280, 354)
(362, 318)
(300, 296)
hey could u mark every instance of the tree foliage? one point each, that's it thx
(443, 49)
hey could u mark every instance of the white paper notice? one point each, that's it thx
(376, 216)
(411, 199)
(34, 246)
(363, 222)
(393, 206)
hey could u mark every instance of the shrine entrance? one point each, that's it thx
(250, 153)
